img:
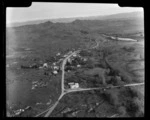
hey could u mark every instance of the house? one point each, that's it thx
(69, 60)
(34, 82)
(58, 54)
(74, 85)
(78, 65)
(74, 55)
(56, 67)
(45, 65)
(40, 67)
(18, 112)
(84, 59)
(71, 83)
(65, 55)
(54, 63)
(55, 72)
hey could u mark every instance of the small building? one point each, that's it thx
(74, 55)
(71, 83)
(54, 63)
(55, 72)
(45, 65)
(69, 60)
(84, 59)
(74, 85)
(40, 67)
(58, 54)
(34, 82)
(65, 55)
(78, 65)
(56, 67)
(18, 112)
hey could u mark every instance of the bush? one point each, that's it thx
(140, 104)
(112, 97)
(132, 108)
(84, 32)
(85, 53)
(122, 110)
(128, 49)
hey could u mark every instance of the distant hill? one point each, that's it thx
(129, 15)
(68, 20)
(49, 36)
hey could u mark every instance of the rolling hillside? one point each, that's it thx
(68, 20)
(46, 37)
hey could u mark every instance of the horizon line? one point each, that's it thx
(31, 20)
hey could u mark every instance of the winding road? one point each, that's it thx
(63, 91)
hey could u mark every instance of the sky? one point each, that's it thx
(63, 10)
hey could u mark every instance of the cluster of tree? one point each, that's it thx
(78, 60)
(29, 67)
(69, 68)
(84, 32)
(89, 64)
(127, 101)
(128, 49)
(85, 53)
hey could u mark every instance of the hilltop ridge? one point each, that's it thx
(71, 19)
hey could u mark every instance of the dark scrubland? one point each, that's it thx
(124, 101)
(123, 59)
(36, 44)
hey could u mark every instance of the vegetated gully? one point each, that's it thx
(50, 109)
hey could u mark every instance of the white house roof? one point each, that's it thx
(55, 72)
(56, 67)
(76, 85)
(71, 83)
(74, 55)
(45, 65)
(57, 54)
(40, 67)
(65, 55)
(54, 63)
(84, 59)
(78, 65)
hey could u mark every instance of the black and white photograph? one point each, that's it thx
(75, 60)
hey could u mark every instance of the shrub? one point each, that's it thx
(128, 49)
(132, 108)
(112, 97)
(122, 110)
(85, 53)
(84, 32)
